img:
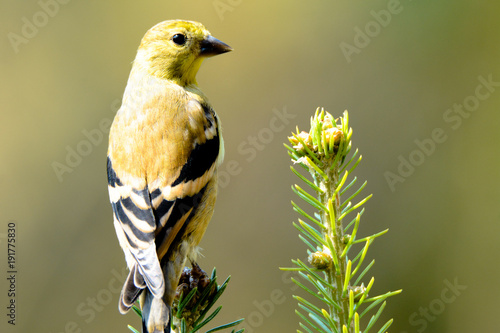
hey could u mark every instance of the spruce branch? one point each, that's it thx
(332, 274)
(195, 296)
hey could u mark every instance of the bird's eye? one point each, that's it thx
(179, 39)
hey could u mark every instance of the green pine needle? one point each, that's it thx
(136, 309)
(133, 329)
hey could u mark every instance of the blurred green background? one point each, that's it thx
(64, 69)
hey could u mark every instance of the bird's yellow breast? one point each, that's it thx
(155, 131)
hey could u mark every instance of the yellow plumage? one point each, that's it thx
(164, 148)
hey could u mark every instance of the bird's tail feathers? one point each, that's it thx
(132, 288)
(155, 315)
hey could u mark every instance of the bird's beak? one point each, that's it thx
(211, 46)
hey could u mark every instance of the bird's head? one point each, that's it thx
(175, 49)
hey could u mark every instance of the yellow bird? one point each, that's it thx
(165, 145)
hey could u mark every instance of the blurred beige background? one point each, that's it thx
(64, 68)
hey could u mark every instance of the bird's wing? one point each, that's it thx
(175, 203)
(135, 225)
